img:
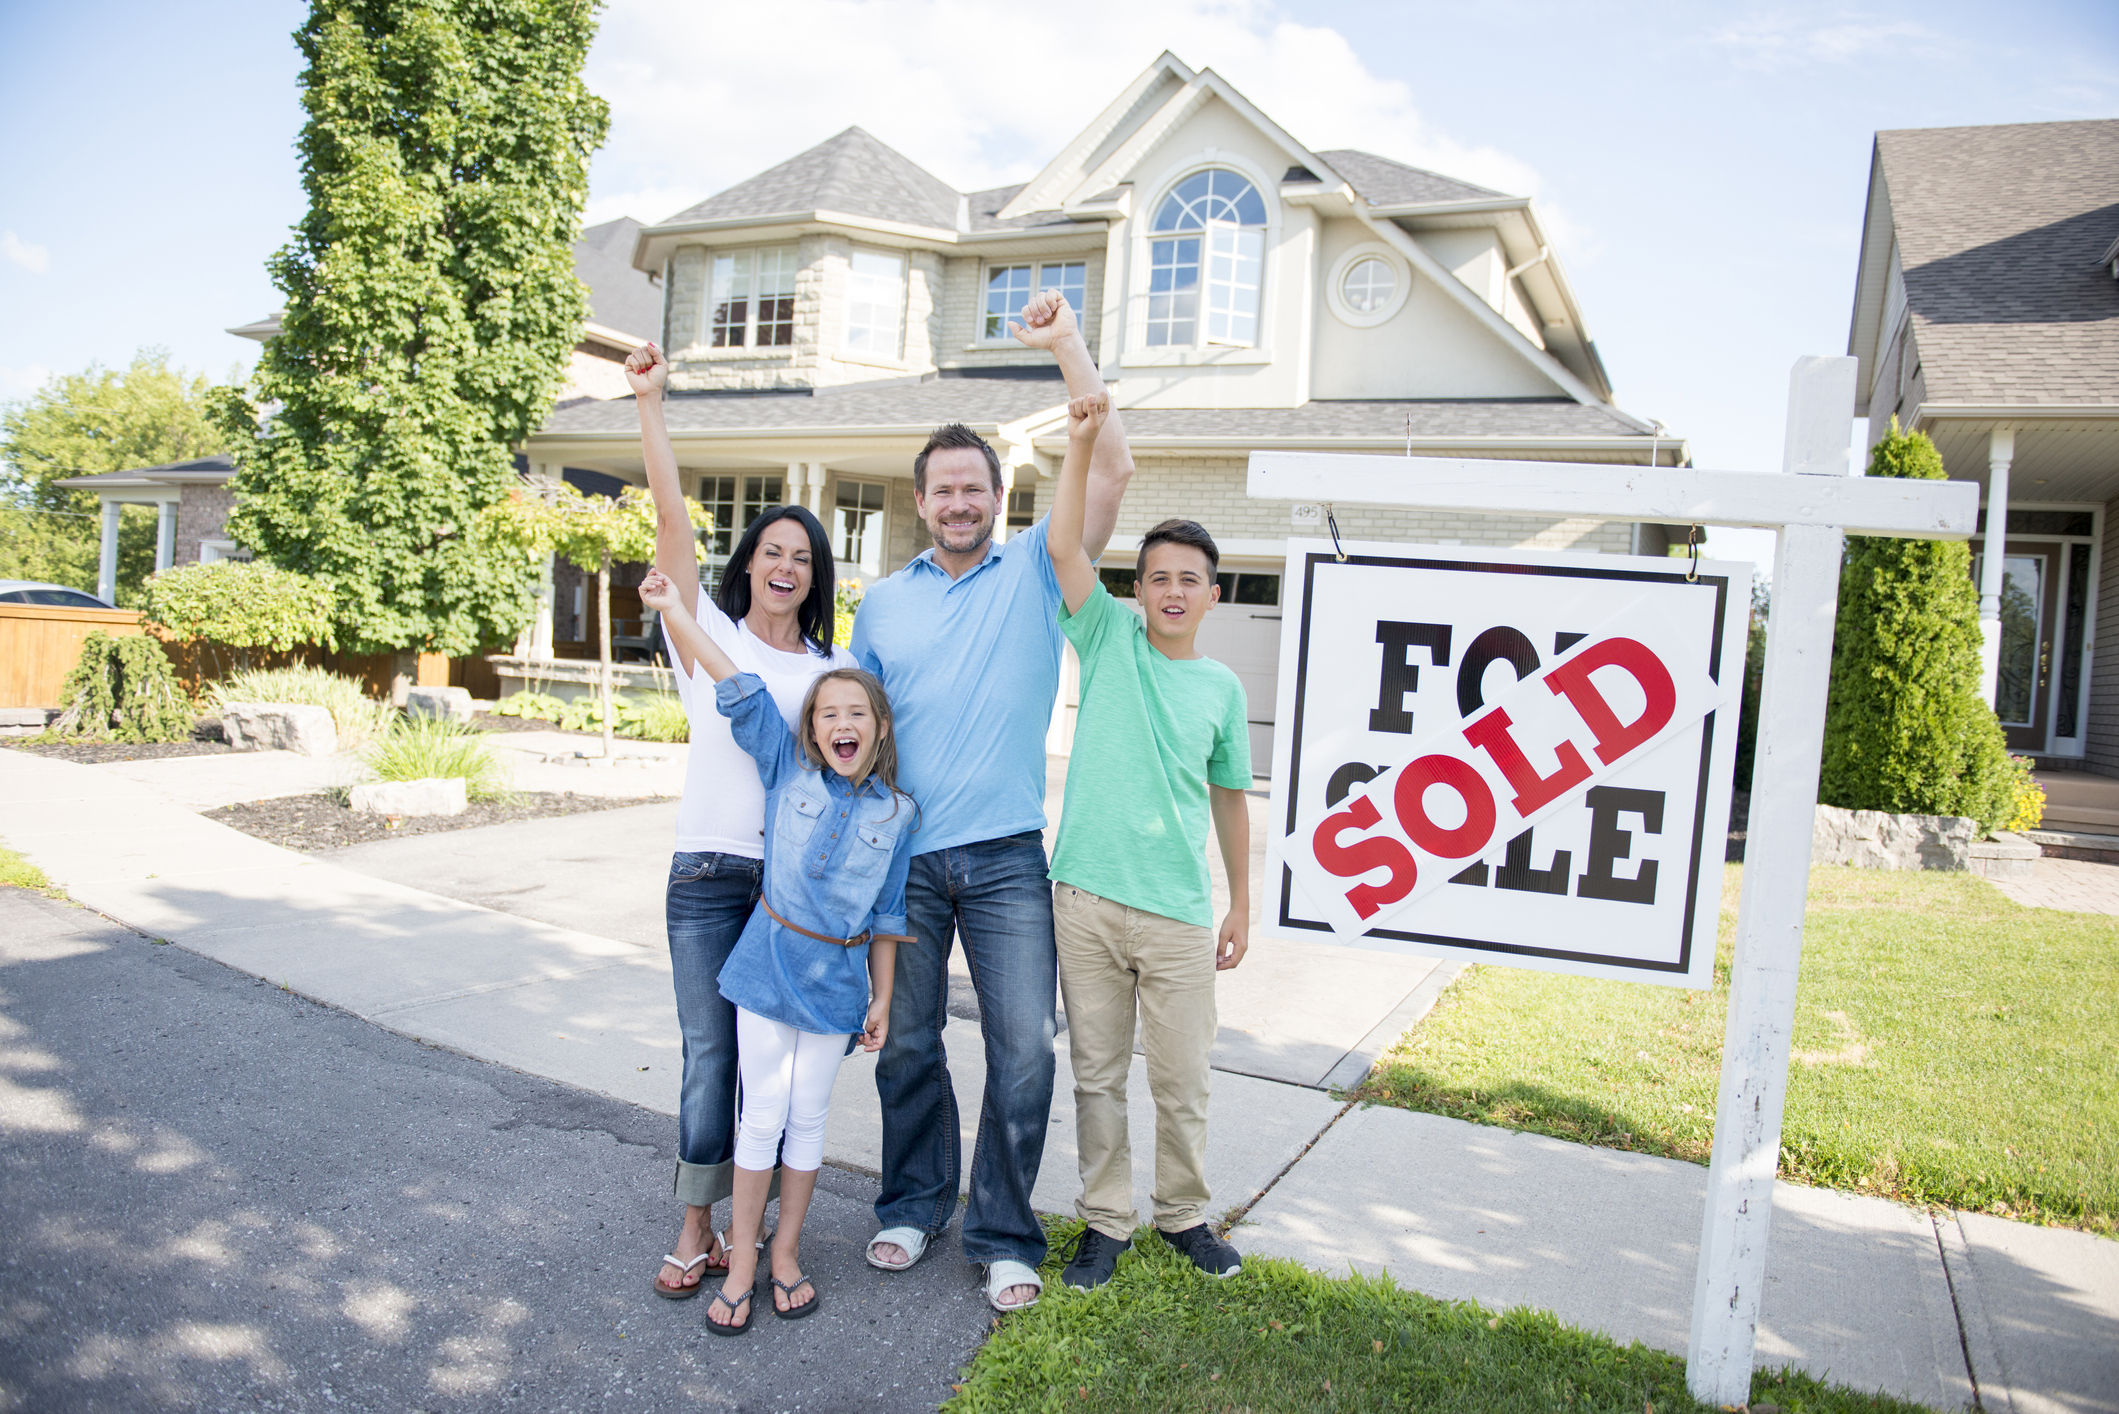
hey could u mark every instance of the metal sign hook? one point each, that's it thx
(1333, 521)
(1692, 544)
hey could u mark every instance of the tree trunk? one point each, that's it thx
(603, 648)
(404, 674)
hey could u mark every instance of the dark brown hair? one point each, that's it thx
(883, 756)
(953, 434)
(1178, 532)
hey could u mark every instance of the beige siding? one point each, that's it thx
(2103, 744)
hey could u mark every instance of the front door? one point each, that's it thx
(2031, 579)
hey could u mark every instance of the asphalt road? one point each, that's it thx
(218, 1195)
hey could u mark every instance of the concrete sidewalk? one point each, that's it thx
(558, 970)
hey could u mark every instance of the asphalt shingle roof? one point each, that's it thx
(1382, 182)
(620, 297)
(1999, 231)
(932, 403)
(851, 172)
(201, 468)
(1385, 418)
(984, 207)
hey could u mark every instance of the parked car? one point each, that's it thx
(30, 591)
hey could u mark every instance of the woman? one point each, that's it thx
(773, 617)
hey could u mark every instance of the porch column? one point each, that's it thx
(107, 562)
(540, 644)
(1000, 517)
(166, 535)
(817, 476)
(2001, 450)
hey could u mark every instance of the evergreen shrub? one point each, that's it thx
(1906, 730)
(123, 689)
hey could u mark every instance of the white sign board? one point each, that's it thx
(1513, 758)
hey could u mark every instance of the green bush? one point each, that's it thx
(358, 717)
(652, 716)
(420, 748)
(123, 689)
(1906, 730)
(239, 604)
(539, 705)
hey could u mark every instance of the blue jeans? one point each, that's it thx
(996, 895)
(709, 900)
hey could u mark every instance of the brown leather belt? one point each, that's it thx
(773, 914)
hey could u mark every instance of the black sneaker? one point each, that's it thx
(1206, 1249)
(1095, 1258)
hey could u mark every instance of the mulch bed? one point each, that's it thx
(318, 822)
(487, 722)
(100, 753)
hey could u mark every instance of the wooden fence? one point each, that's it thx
(39, 644)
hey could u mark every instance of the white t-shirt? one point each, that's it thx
(723, 809)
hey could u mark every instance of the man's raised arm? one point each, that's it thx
(1048, 323)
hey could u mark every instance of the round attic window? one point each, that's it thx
(1367, 285)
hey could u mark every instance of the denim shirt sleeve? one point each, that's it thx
(758, 727)
(889, 914)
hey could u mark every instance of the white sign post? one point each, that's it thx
(1638, 703)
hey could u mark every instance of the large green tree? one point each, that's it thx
(431, 306)
(100, 419)
(1906, 730)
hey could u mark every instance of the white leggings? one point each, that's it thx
(787, 1079)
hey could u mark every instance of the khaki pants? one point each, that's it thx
(1111, 959)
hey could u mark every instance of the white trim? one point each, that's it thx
(1335, 297)
(2014, 412)
(2076, 746)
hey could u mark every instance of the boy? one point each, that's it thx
(1160, 743)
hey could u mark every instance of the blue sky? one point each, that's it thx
(1702, 167)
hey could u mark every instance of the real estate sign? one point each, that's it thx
(1514, 758)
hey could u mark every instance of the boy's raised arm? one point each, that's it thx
(647, 372)
(1063, 530)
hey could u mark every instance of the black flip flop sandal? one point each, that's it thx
(807, 1308)
(733, 1327)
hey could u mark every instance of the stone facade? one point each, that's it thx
(962, 313)
(202, 514)
(1876, 839)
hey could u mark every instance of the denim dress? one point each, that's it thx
(835, 863)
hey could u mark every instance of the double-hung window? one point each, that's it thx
(1206, 258)
(734, 502)
(750, 298)
(875, 303)
(857, 524)
(1009, 288)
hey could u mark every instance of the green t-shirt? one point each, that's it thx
(1150, 735)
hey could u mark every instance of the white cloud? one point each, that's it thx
(1777, 41)
(704, 96)
(33, 258)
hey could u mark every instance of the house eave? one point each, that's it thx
(654, 243)
(1677, 451)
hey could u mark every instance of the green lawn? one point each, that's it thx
(17, 872)
(1950, 1048)
(1276, 1337)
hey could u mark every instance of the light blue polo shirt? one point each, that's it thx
(972, 667)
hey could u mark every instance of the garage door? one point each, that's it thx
(1243, 631)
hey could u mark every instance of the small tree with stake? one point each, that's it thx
(589, 530)
(1906, 730)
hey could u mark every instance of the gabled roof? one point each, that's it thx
(1999, 231)
(1382, 182)
(620, 298)
(851, 173)
(220, 467)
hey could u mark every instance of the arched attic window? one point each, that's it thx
(1208, 237)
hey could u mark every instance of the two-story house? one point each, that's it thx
(1986, 314)
(1238, 289)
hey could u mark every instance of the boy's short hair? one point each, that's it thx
(1178, 532)
(953, 434)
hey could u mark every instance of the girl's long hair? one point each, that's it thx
(818, 615)
(882, 761)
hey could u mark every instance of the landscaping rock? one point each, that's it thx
(1876, 839)
(433, 795)
(448, 704)
(279, 726)
(2005, 856)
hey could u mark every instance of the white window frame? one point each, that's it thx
(873, 532)
(1039, 281)
(895, 352)
(1137, 352)
(1335, 285)
(752, 257)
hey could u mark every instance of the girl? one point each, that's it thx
(773, 617)
(837, 846)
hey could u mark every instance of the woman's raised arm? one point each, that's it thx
(648, 372)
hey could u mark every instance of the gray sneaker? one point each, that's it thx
(1206, 1249)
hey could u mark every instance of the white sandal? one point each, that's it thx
(911, 1239)
(686, 1293)
(1002, 1275)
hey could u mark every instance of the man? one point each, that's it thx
(966, 639)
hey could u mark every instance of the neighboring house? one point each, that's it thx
(193, 498)
(1239, 290)
(1986, 314)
